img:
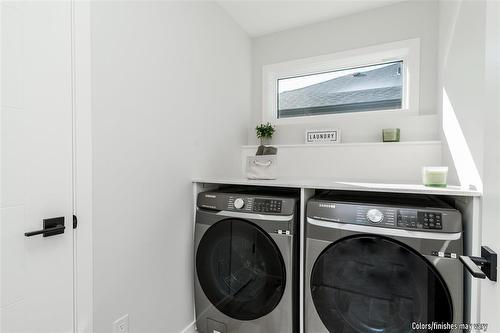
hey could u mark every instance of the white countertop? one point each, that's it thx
(332, 184)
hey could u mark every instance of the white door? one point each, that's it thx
(36, 273)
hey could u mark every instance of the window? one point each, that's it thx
(378, 78)
(367, 88)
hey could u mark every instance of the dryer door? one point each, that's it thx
(240, 269)
(366, 283)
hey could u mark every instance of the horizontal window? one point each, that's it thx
(367, 88)
(371, 81)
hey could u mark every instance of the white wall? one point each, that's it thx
(394, 163)
(170, 101)
(469, 58)
(461, 87)
(412, 19)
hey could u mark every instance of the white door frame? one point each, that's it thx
(82, 166)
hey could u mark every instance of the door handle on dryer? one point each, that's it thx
(51, 227)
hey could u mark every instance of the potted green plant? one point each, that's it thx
(265, 133)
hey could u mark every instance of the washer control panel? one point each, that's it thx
(246, 203)
(410, 218)
(255, 204)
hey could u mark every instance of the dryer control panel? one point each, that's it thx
(246, 203)
(255, 204)
(428, 218)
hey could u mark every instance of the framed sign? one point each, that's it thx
(322, 136)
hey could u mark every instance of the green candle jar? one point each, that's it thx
(390, 134)
(434, 176)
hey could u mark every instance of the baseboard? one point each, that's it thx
(189, 328)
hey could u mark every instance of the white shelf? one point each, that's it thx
(352, 144)
(333, 184)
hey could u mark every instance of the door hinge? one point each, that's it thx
(75, 222)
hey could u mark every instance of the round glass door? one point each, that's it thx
(368, 284)
(240, 269)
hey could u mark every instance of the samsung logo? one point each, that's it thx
(323, 205)
(210, 196)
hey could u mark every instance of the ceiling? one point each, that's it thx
(259, 18)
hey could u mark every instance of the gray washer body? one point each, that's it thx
(333, 226)
(213, 207)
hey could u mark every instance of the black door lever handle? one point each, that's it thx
(471, 263)
(484, 266)
(45, 231)
(51, 227)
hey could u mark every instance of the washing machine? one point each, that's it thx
(246, 254)
(378, 262)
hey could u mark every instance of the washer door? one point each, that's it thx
(240, 269)
(367, 283)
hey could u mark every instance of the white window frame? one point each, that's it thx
(407, 50)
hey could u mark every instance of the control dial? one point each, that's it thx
(374, 216)
(239, 203)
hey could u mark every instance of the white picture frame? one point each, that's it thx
(322, 136)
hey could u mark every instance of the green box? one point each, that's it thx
(390, 134)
